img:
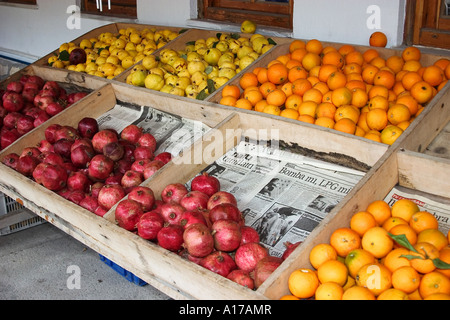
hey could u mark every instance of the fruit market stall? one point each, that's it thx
(329, 173)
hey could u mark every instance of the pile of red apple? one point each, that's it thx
(90, 167)
(203, 225)
(28, 102)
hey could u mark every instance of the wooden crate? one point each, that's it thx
(405, 169)
(94, 33)
(179, 44)
(164, 270)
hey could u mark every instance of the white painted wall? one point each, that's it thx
(30, 33)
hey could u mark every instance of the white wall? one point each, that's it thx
(30, 33)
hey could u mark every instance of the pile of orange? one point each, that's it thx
(367, 261)
(360, 93)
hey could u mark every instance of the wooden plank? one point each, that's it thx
(373, 186)
(425, 173)
(440, 146)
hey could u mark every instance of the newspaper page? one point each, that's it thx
(284, 196)
(172, 133)
(439, 209)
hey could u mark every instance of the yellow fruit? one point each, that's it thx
(248, 27)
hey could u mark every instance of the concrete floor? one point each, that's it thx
(38, 263)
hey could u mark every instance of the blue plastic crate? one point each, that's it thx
(124, 273)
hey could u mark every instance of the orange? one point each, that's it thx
(329, 291)
(422, 220)
(392, 222)
(333, 58)
(313, 95)
(322, 87)
(404, 208)
(370, 54)
(325, 71)
(346, 49)
(306, 118)
(271, 109)
(398, 88)
(442, 63)
(341, 96)
(310, 60)
(243, 103)
(433, 75)
(378, 62)
(287, 88)
(404, 125)
(327, 97)
(262, 76)
(253, 96)
(355, 57)
(289, 297)
(284, 58)
(228, 101)
(321, 253)
(307, 107)
(378, 102)
(266, 88)
(303, 283)
(393, 294)
(277, 97)
(406, 279)
(375, 277)
(292, 63)
(426, 252)
(378, 39)
(438, 296)
(344, 240)
(409, 79)
(373, 135)
(332, 271)
(384, 78)
(300, 86)
(358, 293)
(248, 79)
(293, 101)
(298, 54)
(432, 283)
(433, 236)
(368, 73)
(327, 49)
(380, 210)
(409, 233)
(362, 123)
(357, 258)
(411, 53)
(398, 113)
(378, 91)
(362, 221)
(377, 241)
(347, 111)
(359, 97)
(296, 44)
(260, 105)
(442, 85)
(314, 46)
(410, 102)
(325, 122)
(297, 72)
(353, 76)
(336, 80)
(345, 125)
(396, 259)
(447, 72)
(231, 90)
(350, 283)
(413, 65)
(377, 119)
(352, 68)
(395, 63)
(289, 113)
(277, 73)
(444, 255)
